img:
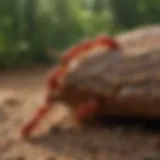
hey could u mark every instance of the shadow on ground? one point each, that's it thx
(127, 137)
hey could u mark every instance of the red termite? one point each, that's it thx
(54, 84)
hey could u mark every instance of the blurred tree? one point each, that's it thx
(150, 11)
(125, 12)
(29, 28)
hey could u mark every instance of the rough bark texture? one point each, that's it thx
(128, 81)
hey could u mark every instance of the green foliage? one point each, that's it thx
(28, 28)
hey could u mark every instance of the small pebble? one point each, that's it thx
(55, 130)
(51, 158)
(11, 101)
(20, 158)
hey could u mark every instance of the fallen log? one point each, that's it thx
(128, 83)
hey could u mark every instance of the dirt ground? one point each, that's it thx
(20, 93)
(110, 143)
